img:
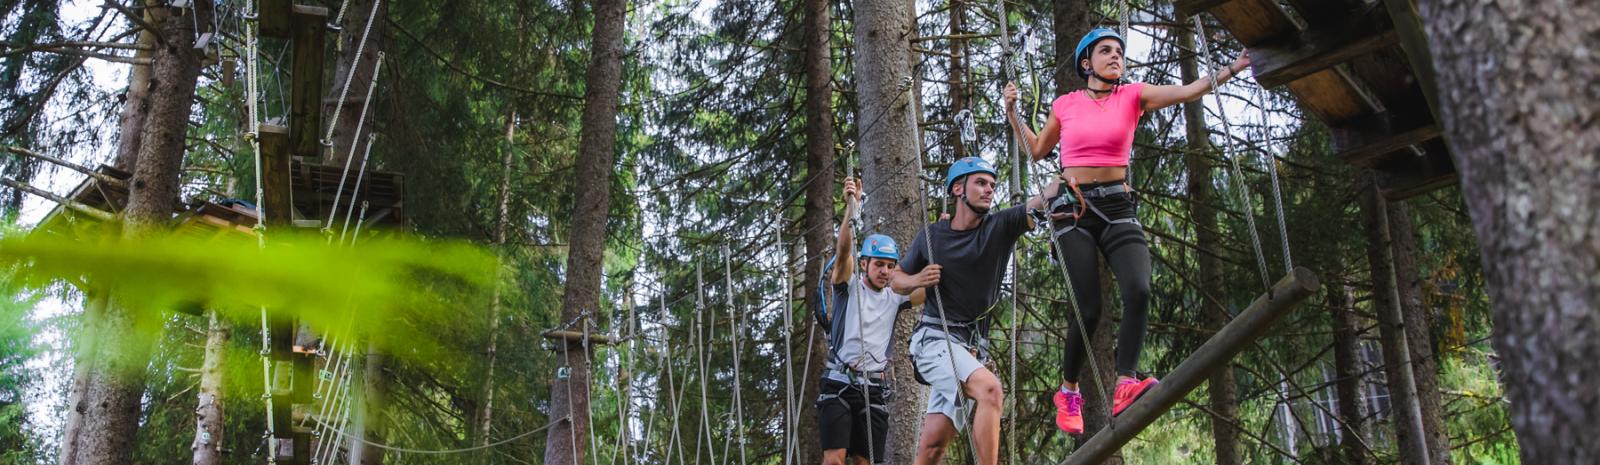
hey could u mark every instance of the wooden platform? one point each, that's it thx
(93, 193)
(316, 186)
(1360, 68)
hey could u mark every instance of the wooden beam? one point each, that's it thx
(111, 181)
(63, 201)
(1408, 30)
(1194, 7)
(1363, 141)
(577, 336)
(1409, 175)
(1319, 13)
(1254, 21)
(275, 175)
(305, 109)
(1278, 61)
(1214, 355)
(274, 19)
(1334, 96)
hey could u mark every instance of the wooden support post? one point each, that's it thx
(1214, 355)
(274, 18)
(1193, 7)
(275, 191)
(305, 106)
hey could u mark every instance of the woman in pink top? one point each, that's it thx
(1097, 217)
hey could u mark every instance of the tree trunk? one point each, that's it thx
(356, 21)
(958, 74)
(1419, 336)
(93, 312)
(501, 224)
(207, 446)
(1071, 23)
(1391, 331)
(882, 34)
(597, 139)
(1528, 176)
(1221, 385)
(135, 106)
(125, 333)
(374, 393)
(818, 219)
(1348, 367)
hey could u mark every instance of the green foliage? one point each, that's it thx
(298, 276)
(17, 346)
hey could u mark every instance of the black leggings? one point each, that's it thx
(1124, 246)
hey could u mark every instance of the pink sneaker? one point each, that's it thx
(1069, 412)
(1130, 390)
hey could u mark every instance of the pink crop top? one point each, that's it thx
(1098, 133)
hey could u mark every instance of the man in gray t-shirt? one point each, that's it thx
(973, 249)
(852, 409)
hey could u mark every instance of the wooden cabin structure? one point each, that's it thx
(1362, 68)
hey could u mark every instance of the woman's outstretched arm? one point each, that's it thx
(1155, 97)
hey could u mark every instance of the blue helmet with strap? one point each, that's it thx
(966, 166)
(880, 246)
(1088, 40)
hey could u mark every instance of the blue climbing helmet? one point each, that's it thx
(963, 167)
(1088, 41)
(880, 246)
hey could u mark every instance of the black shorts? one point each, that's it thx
(842, 419)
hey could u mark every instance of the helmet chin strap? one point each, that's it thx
(971, 207)
(1113, 83)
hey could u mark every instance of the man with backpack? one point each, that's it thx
(859, 314)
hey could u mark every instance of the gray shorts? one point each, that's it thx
(929, 351)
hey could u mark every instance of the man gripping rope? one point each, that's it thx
(949, 346)
(859, 317)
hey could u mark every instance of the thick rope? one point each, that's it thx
(338, 106)
(354, 142)
(360, 176)
(254, 138)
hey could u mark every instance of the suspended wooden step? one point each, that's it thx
(1212, 356)
(1362, 68)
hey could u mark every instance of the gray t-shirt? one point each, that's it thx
(860, 335)
(974, 262)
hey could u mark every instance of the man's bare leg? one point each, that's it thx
(937, 430)
(833, 457)
(862, 460)
(984, 387)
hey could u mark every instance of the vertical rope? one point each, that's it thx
(338, 106)
(1238, 174)
(733, 332)
(254, 138)
(702, 341)
(788, 340)
(360, 121)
